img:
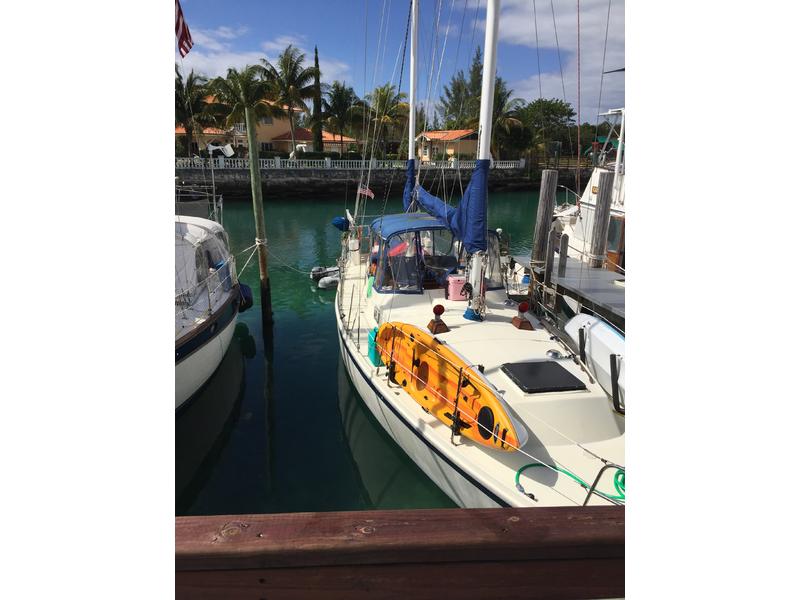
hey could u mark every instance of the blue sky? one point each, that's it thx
(239, 32)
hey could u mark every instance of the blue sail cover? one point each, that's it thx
(408, 190)
(468, 220)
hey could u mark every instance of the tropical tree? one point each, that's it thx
(460, 103)
(316, 121)
(246, 96)
(293, 83)
(191, 108)
(339, 107)
(504, 115)
(387, 111)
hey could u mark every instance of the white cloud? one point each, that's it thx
(213, 53)
(517, 28)
(332, 68)
(213, 64)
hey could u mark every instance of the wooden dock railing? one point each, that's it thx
(450, 553)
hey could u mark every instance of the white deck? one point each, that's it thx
(555, 421)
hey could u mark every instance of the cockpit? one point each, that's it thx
(412, 252)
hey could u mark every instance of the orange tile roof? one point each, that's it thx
(447, 135)
(207, 130)
(301, 134)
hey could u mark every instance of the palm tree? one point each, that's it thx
(504, 114)
(293, 82)
(246, 96)
(191, 108)
(387, 111)
(339, 107)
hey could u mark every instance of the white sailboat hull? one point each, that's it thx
(435, 464)
(194, 370)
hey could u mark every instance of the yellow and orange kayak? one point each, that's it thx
(433, 374)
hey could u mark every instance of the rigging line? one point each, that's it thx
(561, 70)
(602, 73)
(434, 45)
(538, 59)
(578, 45)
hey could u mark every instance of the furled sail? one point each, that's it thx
(468, 220)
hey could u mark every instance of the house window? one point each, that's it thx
(424, 151)
(265, 121)
(266, 146)
(240, 128)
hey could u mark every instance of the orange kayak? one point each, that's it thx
(433, 375)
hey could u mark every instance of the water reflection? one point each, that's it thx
(204, 425)
(388, 477)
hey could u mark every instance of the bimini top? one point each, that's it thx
(388, 225)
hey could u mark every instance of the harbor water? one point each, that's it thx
(279, 427)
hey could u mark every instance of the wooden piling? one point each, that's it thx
(258, 215)
(562, 255)
(544, 217)
(602, 218)
(567, 552)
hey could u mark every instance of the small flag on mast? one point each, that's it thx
(365, 191)
(182, 31)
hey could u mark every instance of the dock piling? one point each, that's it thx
(602, 217)
(544, 217)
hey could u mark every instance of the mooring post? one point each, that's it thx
(544, 217)
(602, 217)
(258, 215)
(562, 255)
(551, 255)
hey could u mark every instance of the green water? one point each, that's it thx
(279, 428)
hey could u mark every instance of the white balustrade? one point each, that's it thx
(327, 163)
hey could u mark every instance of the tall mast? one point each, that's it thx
(476, 306)
(487, 84)
(412, 88)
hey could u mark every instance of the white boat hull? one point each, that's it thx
(194, 370)
(463, 489)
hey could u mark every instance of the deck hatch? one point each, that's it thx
(540, 376)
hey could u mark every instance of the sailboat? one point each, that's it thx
(208, 295)
(494, 404)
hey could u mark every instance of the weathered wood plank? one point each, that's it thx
(391, 537)
(554, 579)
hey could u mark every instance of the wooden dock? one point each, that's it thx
(461, 553)
(597, 289)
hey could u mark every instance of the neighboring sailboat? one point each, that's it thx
(208, 298)
(493, 404)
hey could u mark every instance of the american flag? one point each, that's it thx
(182, 31)
(365, 191)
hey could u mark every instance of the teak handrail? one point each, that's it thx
(559, 552)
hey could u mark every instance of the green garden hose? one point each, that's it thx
(619, 481)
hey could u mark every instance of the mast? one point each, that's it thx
(477, 267)
(487, 83)
(412, 88)
(411, 163)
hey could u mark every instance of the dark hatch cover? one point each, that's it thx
(542, 376)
